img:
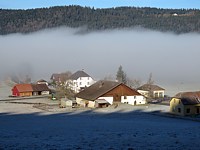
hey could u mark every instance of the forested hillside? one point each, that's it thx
(25, 21)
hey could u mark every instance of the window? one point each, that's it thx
(156, 95)
(80, 83)
(88, 83)
(134, 97)
(179, 110)
(160, 94)
(125, 97)
(188, 110)
(80, 78)
(197, 110)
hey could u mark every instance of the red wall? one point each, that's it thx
(15, 92)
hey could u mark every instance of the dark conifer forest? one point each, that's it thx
(167, 20)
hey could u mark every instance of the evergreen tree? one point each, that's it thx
(121, 75)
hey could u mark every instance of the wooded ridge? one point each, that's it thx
(167, 20)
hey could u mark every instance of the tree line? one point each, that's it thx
(30, 20)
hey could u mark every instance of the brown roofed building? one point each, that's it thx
(153, 91)
(40, 89)
(60, 77)
(185, 103)
(22, 90)
(42, 81)
(111, 92)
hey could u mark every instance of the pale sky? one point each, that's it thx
(28, 4)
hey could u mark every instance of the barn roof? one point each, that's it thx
(24, 87)
(189, 98)
(190, 101)
(98, 89)
(147, 87)
(78, 74)
(40, 87)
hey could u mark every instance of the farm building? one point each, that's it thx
(153, 91)
(80, 80)
(67, 103)
(42, 82)
(40, 89)
(104, 93)
(22, 90)
(186, 103)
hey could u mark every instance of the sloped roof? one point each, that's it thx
(62, 77)
(98, 89)
(147, 87)
(24, 87)
(189, 98)
(78, 74)
(40, 87)
(190, 101)
(195, 94)
(41, 80)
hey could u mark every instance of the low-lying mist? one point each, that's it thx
(172, 59)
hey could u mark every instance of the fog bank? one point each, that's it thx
(172, 59)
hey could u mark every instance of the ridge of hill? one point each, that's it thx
(167, 20)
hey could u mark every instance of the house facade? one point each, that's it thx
(111, 92)
(184, 104)
(79, 81)
(153, 91)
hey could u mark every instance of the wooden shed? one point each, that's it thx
(22, 90)
(40, 89)
(67, 103)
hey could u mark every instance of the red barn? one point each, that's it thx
(22, 90)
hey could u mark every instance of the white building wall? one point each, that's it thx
(145, 93)
(108, 99)
(81, 82)
(138, 99)
(91, 104)
(45, 93)
(158, 94)
(78, 100)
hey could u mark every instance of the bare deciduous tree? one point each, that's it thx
(134, 83)
(150, 82)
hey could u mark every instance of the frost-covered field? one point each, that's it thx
(25, 127)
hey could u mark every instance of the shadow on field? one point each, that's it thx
(91, 130)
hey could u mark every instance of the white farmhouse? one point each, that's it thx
(153, 91)
(80, 80)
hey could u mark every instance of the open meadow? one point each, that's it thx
(41, 124)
